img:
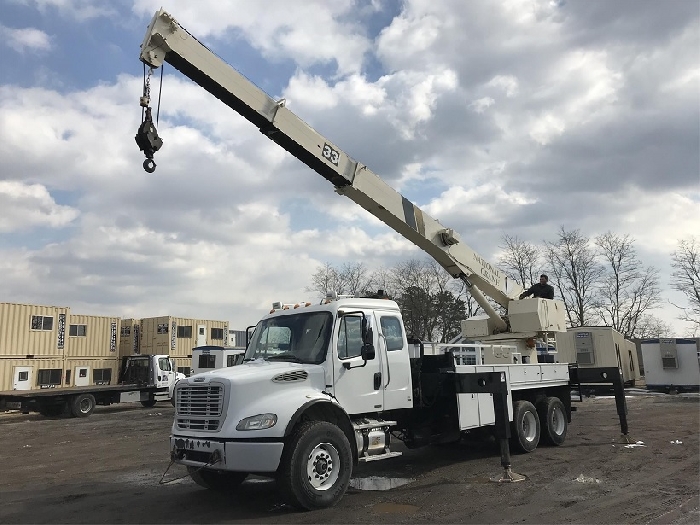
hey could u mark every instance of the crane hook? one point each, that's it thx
(148, 141)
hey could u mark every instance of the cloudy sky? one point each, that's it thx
(515, 117)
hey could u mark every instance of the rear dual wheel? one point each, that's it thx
(525, 430)
(553, 420)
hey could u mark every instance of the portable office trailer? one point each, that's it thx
(86, 372)
(206, 358)
(671, 363)
(30, 374)
(129, 337)
(32, 331)
(236, 338)
(177, 336)
(599, 346)
(91, 336)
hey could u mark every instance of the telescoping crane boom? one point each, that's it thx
(167, 41)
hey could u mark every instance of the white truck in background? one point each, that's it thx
(142, 378)
(325, 386)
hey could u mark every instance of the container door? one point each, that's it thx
(82, 375)
(22, 378)
(201, 335)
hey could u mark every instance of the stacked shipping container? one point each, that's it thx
(48, 347)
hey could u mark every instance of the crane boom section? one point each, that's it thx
(167, 41)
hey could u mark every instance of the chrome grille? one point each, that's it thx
(199, 407)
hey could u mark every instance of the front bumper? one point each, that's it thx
(237, 456)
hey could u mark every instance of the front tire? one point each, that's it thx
(218, 480)
(150, 402)
(553, 420)
(316, 466)
(526, 427)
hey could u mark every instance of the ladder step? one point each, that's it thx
(377, 457)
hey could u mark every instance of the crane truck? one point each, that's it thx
(325, 386)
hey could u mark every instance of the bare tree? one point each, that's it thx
(627, 289)
(685, 261)
(350, 278)
(520, 260)
(651, 327)
(427, 296)
(573, 264)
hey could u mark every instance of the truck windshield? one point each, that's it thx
(300, 338)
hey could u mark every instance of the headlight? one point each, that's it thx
(258, 422)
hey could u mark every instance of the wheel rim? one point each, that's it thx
(528, 427)
(557, 422)
(85, 406)
(323, 466)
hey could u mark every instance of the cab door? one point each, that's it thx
(357, 383)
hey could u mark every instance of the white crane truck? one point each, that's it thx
(325, 386)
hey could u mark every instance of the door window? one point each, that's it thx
(392, 332)
(350, 337)
(164, 364)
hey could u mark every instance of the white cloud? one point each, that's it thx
(25, 39)
(26, 206)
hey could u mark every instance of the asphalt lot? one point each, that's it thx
(106, 469)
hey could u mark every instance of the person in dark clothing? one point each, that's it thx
(541, 289)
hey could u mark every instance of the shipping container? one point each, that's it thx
(236, 338)
(32, 331)
(91, 336)
(177, 336)
(599, 346)
(129, 337)
(31, 374)
(86, 372)
(671, 363)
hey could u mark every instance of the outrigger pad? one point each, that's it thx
(509, 477)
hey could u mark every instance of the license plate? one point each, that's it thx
(13, 405)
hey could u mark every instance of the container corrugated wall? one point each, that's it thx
(129, 337)
(32, 330)
(86, 372)
(183, 365)
(92, 336)
(24, 373)
(177, 336)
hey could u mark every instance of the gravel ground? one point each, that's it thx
(106, 469)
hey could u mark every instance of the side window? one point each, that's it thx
(164, 364)
(350, 337)
(207, 361)
(392, 332)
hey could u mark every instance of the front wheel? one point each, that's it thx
(218, 480)
(553, 420)
(316, 466)
(526, 426)
(150, 402)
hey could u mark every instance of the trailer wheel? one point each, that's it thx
(150, 402)
(82, 405)
(526, 426)
(553, 420)
(218, 480)
(316, 466)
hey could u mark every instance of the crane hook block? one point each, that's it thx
(148, 141)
